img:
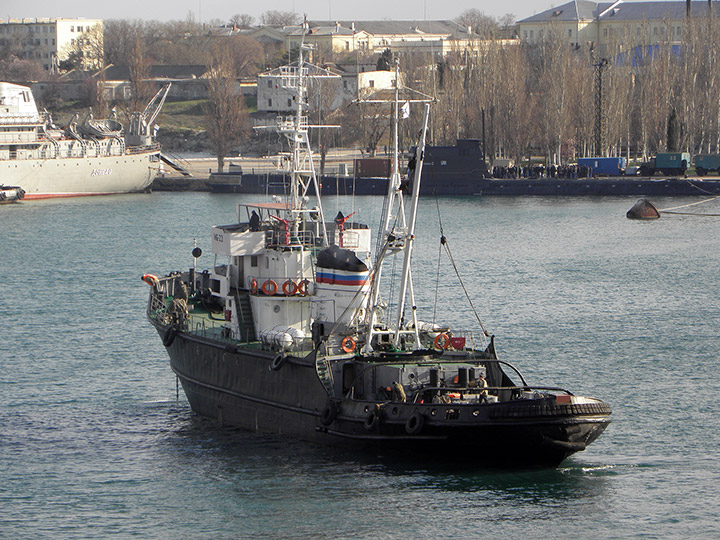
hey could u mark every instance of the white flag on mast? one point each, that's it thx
(405, 109)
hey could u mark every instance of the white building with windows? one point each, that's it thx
(273, 94)
(439, 38)
(50, 41)
(606, 23)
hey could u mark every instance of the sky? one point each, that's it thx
(206, 10)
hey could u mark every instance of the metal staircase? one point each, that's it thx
(245, 318)
(324, 373)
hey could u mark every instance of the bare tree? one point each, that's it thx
(226, 118)
(246, 55)
(140, 87)
(86, 52)
(280, 18)
(242, 20)
(483, 25)
(119, 40)
(15, 69)
(513, 103)
(365, 124)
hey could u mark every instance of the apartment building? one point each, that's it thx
(50, 41)
(402, 37)
(605, 23)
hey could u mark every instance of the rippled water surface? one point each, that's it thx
(93, 442)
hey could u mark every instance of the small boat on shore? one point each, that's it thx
(292, 331)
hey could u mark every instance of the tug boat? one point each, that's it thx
(289, 333)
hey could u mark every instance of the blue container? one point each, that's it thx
(605, 166)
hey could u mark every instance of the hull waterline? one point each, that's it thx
(237, 387)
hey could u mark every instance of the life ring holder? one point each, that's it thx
(269, 287)
(348, 344)
(253, 286)
(302, 287)
(289, 288)
(442, 341)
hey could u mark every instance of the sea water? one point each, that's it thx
(95, 442)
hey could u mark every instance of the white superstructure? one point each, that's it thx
(48, 162)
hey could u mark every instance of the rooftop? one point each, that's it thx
(583, 10)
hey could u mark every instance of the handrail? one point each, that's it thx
(17, 118)
(142, 149)
(279, 237)
(375, 365)
(480, 389)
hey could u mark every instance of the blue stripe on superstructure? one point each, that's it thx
(347, 278)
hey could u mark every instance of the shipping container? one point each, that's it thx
(604, 166)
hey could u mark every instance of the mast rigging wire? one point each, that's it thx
(444, 242)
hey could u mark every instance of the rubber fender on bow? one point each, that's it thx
(415, 423)
(277, 362)
(328, 415)
(169, 336)
(372, 420)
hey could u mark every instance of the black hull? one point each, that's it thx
(235, 386)
(457, 184)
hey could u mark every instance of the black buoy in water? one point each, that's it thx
(643, 209)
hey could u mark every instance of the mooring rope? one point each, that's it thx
(698, 187)
(690, 214)
(670, 210)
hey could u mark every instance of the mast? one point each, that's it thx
(295, 128)
(394, 183)
(406, 279)
(395, 236)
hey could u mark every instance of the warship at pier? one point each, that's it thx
(88, 157)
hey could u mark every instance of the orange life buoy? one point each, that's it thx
(253, 286)
(348, 344)
(289, 287)
(269, 287)
(444, 338)
(302, 287)
(151, 279)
